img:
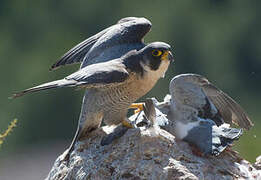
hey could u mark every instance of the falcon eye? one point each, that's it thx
(156, 52)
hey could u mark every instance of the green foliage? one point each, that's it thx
(218, 39)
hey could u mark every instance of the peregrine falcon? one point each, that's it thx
(200, 114)
(113, 85)
(111, 43)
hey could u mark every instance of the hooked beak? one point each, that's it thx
(167, 56)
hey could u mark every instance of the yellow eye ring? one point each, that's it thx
(156, 52)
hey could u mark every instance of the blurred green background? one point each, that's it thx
(219, 39)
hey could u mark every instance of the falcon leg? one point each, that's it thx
(127, 123)
(123, 128)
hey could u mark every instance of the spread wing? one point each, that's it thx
(99, 75)
(77, 53)
(130, 29)
(231, 111)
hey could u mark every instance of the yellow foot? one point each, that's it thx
(137, 106)
(127, 123)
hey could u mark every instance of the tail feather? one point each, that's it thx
(49, 85)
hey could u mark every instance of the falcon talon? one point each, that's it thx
(137, 106)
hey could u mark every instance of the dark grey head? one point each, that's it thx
(155, 53)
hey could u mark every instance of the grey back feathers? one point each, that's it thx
(191, 88)
(108, 44)
(101, 73)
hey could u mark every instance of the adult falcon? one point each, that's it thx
(113, 85)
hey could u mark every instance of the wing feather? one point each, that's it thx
(77, 53)
(231, 111)
(127, 30)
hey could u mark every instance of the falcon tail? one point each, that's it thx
(224, 138)
(49, 85)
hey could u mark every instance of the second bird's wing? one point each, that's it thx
(228, 108)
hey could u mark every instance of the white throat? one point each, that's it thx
(160, 72)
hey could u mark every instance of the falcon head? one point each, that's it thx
(154, 55)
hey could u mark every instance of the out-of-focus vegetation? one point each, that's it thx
(220, 39)
(7, 131)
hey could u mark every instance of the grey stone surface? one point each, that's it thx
(147, 153)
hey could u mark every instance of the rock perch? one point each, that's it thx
(148, 153)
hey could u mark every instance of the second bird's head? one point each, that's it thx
(155, 54)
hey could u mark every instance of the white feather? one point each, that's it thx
(182, 129)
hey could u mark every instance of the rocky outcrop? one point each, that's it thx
(148, 153)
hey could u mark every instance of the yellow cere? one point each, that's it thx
(165, 55)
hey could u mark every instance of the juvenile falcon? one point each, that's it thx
(113, 85)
